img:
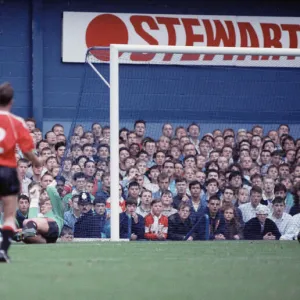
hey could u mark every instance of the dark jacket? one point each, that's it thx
(196, 215)
(89, 225)
(178, 229)
(136, 228)
(20, 218)
(295, 209)
(208, 227)
(233, 228)
(177, 200)
(253, 230)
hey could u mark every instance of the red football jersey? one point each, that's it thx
(13, 132)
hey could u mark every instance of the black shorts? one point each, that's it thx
(52, 235)
(9, 181)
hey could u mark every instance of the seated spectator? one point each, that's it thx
(89, 224)
(132, 225)
(197, 205)
(22, 211)
(283, 220)
(182, 196)
(66, 234)
(233, 228)
(280, 190)
(71, 216)
(167, 200)
(144, 208)
(295, 209)
(242, 196)
(180, 224)
(22, 170)
(156, 224)
(212, 223)
(260, 227)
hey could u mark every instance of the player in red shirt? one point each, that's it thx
(13, 131)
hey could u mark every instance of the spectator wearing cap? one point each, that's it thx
(282, 220)
(260, 227)
(88, 224)
(132, 225)
(249, 209)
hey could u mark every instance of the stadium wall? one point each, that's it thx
(46, 88)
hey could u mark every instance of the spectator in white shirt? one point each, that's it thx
(296, 226)
(249, 209)
(283, 220)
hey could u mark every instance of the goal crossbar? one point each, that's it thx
(114, 100)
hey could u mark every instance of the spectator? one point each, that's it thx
(22, 170)
(71, 216)
(179, 224)
(233, 228)
(22, 211)
(281, 191)
(167, 200)
(296, 207)
(144, 208)
(196, 203)
(260, 227)
(156, 224)
(132, 225)
(182, 196)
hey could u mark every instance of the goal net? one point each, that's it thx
(170, 88)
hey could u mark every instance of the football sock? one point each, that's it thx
(7, 235)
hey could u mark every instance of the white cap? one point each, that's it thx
(262, 210)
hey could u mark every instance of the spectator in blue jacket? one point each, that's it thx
(132, 225)
(89, 224)
(211, 226)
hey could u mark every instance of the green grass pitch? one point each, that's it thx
(150, 270)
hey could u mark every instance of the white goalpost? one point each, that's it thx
(114, 99)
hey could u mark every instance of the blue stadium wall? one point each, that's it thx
(47, 89)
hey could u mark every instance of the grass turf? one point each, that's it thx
(150, 270)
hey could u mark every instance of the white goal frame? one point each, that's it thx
(115, 49)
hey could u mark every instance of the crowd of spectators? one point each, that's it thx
(223, 185)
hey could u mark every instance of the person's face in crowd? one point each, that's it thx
(146, 198)
(184, 140)
(75, 139)
(42, 145)
(194, 131)
(288, 145)
(140, 129)
(75, 169)
(180, 133)
(283, 130)
(23, 206)
(61, 151)
(227, 152)
(97, 130)
(223, 163)
(247, 163)
(61, 138)
(284, 171)
(290, 156)
(190, 162)
(80, 184)
(273, 172)
(242, 136)
(123, 135)
(129, 162)
(51, 163)
(212, 188)
(140, 180)
(157, 208)
(236, 181)
(154, 174)
(178, 170)
(204, 148)
(164, 184)
(58, 130)
(51, 138)
(274, 136)
(281, 194)
(79, 130)
(201, 177)
(38, 136)
(37, 170)
(200, 161)
(141, 167)
(184, 213)
(131, 139)
(76, 152)
(297, 171)
(278, 209)
(243, 154)
(45, 154)
(249, 135)
(254, 154)
(217, 132)
(134, 149)
(81, 162)
(229, 141)
(228, 214)
(167, 130)
(213, 156)
(287, 182)
(219, 143)
(195, 191)
(169, 168)
(243, 196)
(83, 141)
(30, 125)
(67, 166)
(257, 181)
(181, 187)
(176, 142)
(265, 158)
(99, 208)
(269, 185)
(164, 143)
(255, 198)
(144, 157)
(210, 140)
(22, 169)
(166, 199)
(254, 170)
(106, 182)
(103, 152)
(99, 174)
(276, 160)
(134, 191)
(213, 175)
(60, 187)
(189, 174)
(90, 169)
(88, 151)
(258, 131)
(213, 206)
(84, 207)
(262, 217)
(189, 149)
(228, 195)
(46, 180)
(150, 148)
(269, 146)
(55, 170)
(46, 207)
(160, 158)
(256, 141)
(175, 152)
(106, 134)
